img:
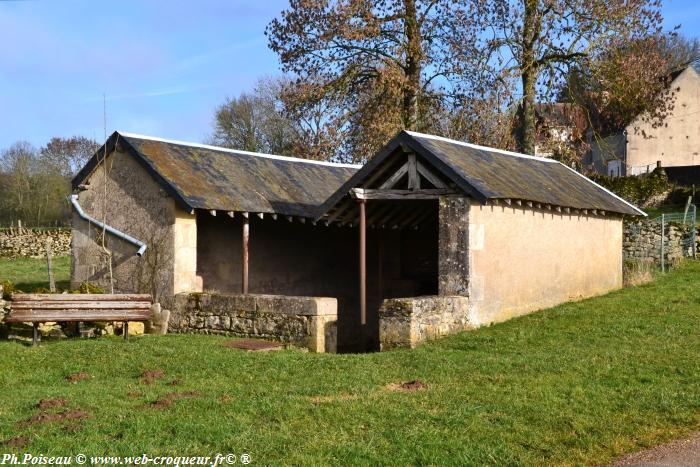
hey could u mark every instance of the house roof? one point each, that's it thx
(213, 178)
(486, 174)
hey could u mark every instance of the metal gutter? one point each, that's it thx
(142, 246)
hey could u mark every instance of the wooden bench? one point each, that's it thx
(42, 308)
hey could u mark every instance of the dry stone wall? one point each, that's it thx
(406, 322)
(642, 241)
(309, 322)
(28, 243)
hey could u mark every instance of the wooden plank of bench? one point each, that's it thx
(18, 297)
(86, 315)
(82, 306)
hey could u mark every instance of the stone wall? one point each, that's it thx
(406, 322)
(309, 322)
(642, 241)
(32, 243)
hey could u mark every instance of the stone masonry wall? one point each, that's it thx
(309, 322)
(406, 322)
(29, 243)
(453, 246)
(642, 241)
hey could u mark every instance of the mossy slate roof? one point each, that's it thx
(211, 178)
(488, 174)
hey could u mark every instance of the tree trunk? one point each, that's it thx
(413, 66)
(529, 70)
(527, 130)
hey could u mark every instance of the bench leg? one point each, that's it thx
(126, 330)
(35, 333)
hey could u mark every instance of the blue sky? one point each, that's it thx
(163, 65)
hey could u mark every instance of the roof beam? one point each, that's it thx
(430, 176)
(360, 193)
(394, 179)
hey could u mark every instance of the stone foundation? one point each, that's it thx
(309, 322)
(406, 322)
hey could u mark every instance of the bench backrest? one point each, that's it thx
(79, 307)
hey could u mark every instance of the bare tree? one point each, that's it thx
(383, 65)
(528, 45)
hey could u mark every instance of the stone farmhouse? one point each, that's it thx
(640, 148)
(431, 236)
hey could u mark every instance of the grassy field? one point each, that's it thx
(29, 274)
(581, 383)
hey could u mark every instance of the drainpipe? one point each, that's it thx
(112, 230)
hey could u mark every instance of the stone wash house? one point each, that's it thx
(431, 236)
(639, 148)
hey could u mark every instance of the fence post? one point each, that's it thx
(663, 239)
(695, 229)
(49, 265)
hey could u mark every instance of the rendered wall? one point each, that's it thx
(522, 259)
(128, 199)
(677, 141)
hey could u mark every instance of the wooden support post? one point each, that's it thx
(413, 179)
(126, 330)
(244, 254)
(363, 262)
(35, 333)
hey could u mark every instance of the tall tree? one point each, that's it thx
(254, 121)
(381, 61)
(530, 44)
(68, 155)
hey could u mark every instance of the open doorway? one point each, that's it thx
(400, 262)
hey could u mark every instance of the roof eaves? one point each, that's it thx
(632, 206)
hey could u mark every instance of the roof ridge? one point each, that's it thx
(476, 146)
(236, 151)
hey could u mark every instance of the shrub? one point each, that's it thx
(639, 189)
(637, 273)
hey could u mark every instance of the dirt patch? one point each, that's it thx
(407, 386)
(75, 377)
(150, 376)
(16, 442)
(134, 394)
(176, 382)
(680, 452)
(225, 398)
(167, 400)
(65, 416)
(45, 404)
(333, 398)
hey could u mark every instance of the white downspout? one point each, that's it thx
(112, 230)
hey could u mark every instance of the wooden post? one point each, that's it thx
(49, 265)
(244, 253)
(35, 333)
(363, 262)
(126, 330)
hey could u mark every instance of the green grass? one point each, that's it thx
(29, 274)
(581, 383)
